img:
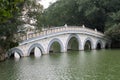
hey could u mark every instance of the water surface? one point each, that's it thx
(73, 65)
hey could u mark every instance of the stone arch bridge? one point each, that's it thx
(42, 41)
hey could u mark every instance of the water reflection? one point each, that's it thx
(73, 65)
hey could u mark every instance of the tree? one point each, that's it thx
(9, 12)
(100, 14)
(75, 12)
(7, 9)
(113, 34)
(31, 10)
(60, 13)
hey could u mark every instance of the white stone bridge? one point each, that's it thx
(41, 42)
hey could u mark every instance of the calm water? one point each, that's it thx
(74, 65)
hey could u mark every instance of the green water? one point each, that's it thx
(73, 65)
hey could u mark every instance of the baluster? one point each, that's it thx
(55, 30)
(58, 29)
(22, 37)
(46, 32)
(29, 36)
(70, 28)
(51, 31)
(33, 35)
(41, 33)
(65, 28)
(37, 34)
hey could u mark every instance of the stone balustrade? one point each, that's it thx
(54, 30)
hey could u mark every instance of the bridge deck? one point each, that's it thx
(63, 29)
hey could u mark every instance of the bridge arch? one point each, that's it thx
(13, 50)
(76, 36)
(36, 45)
(55, 40)
(90, 42)
(99, 44)
(107, 45)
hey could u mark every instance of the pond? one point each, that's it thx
(73, 65)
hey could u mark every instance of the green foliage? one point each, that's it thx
(9, 21)
(59, 14)
(114, 32)
(99, 14)
(7, 9)
(75, 12)
(87, 46)
(73, 44)
(56, 47)
(31, 11)
(7, 32)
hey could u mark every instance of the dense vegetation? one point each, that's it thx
(9, 12)
(13, 15)
(104, 15)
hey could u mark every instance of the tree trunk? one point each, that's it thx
(2, 55)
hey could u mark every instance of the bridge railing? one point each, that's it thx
(60, 29)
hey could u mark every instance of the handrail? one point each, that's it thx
(60, 29)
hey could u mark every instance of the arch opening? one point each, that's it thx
(36, 52)
(73, 44)
(15, 53)
(32, 52)
(87, 45)
(55, 47)
(106, 46)
(98, 47)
